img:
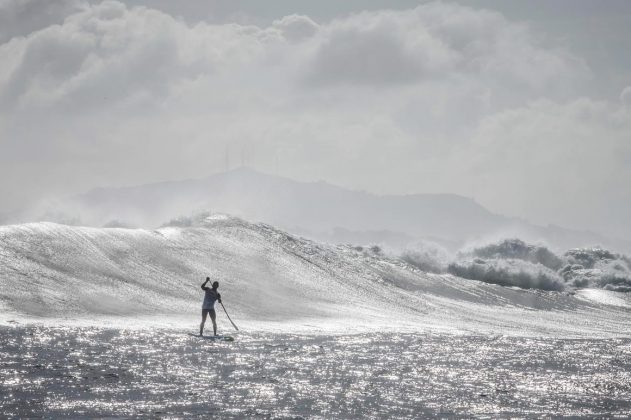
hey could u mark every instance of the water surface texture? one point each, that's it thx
(97, 323)
(111, 372)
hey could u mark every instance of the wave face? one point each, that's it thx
(270, 279)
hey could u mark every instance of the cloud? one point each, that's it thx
(372, 49)
(439, 40)
(296, 27)
(22, 17)
(440, 98)
(109, 53)
(574, 157)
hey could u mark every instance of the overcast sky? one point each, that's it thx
(525, 106)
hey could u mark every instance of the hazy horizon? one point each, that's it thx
(524, 108)
(252, 170)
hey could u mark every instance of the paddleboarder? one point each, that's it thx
(208, 307)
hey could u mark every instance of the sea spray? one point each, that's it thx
(513, 262)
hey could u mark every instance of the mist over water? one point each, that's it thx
(317, 210)
(513, 262)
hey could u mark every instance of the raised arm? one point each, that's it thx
(204, 283)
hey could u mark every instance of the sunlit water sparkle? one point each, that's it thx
(89, 371)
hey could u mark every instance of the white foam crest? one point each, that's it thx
(509, 272)
(513, 262)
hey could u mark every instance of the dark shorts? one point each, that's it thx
(210, 312)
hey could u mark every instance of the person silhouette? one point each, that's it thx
(211, 295)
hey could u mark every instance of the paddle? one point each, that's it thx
(233, 324)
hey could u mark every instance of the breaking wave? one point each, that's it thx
(428, 257)
(513, 262)
(508, 272)
(597, 268)
(519, 250)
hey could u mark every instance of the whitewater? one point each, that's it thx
(96, 322)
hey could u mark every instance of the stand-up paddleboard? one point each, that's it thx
(213, 337)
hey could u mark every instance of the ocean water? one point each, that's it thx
(97, 323)
(101, 372)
